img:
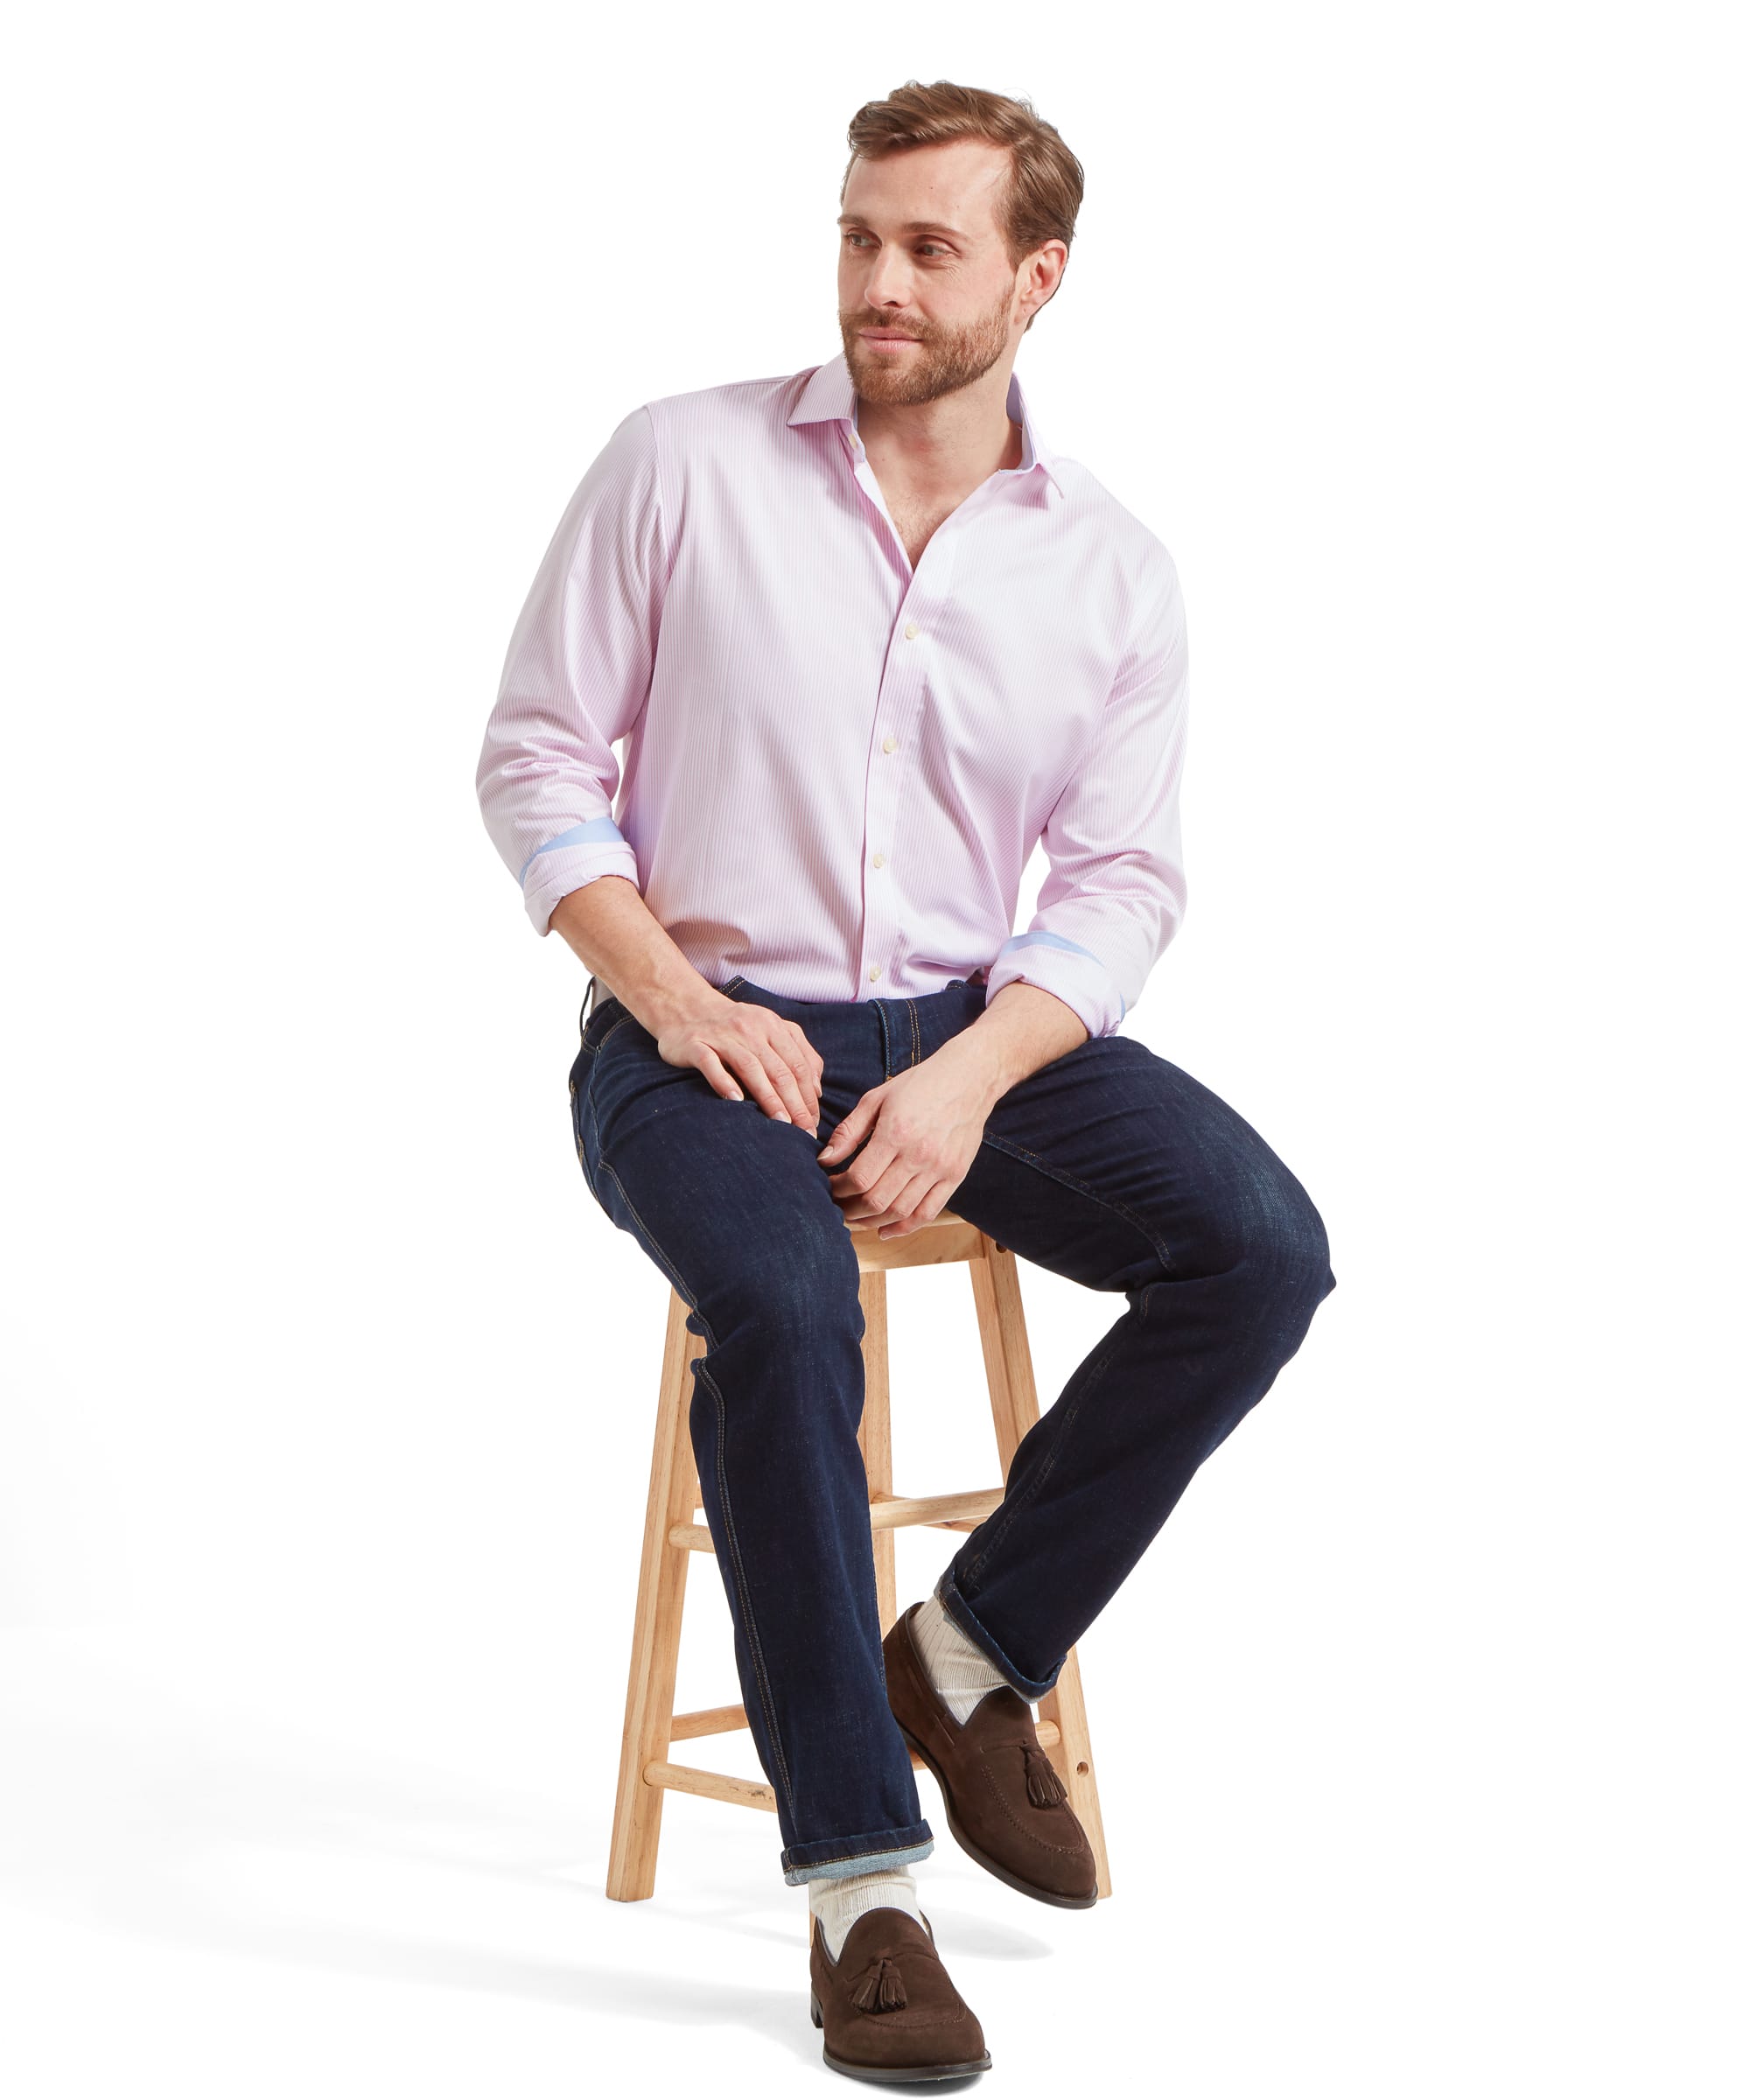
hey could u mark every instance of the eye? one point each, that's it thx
(937, 248)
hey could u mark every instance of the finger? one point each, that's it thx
(852, 1127)
(759, 1082)
(771, 1079)
(773, 1062)
(726, 1078)
(923, 1213)
(895, 1209)
(861, 1173)
(788, 1084)
(841, 1139)
(709, 1064)
(877, 1198)
(775, 1089)
(846, 1135)
(808, 1069)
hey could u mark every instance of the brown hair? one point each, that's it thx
(1039, 200)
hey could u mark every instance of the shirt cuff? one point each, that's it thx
(553, 871)
(1070, 971)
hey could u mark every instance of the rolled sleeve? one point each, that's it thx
(1116, 887)
(575, 680)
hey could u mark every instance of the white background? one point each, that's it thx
(1412, 333)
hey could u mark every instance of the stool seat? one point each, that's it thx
(674, 1531)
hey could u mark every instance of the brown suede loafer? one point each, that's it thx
(1005, 1804)
(888, 2010)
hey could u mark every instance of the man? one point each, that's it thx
(867, 640)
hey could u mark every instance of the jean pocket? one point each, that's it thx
(577, 1131)
(600, 1022)
(575, 1082)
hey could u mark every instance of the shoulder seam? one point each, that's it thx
(659, 494)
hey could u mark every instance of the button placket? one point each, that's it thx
(901, 701)
(874, 495)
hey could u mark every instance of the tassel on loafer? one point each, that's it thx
(1005, 1804)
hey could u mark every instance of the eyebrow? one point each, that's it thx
(914, 226)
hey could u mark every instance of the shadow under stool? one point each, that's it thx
(673, 1532)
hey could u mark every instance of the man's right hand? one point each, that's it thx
(748, 1050)
(738, 1050)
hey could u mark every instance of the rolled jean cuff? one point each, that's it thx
(959, 1608)
(829, 1860)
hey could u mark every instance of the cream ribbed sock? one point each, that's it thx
(838, 1901)
(960, 1674)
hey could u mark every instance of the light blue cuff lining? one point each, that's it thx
(1075, 947)
(596, 832)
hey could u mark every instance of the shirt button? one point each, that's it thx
(877, 860)
(875, 972)
(911, 630)
(889, 743)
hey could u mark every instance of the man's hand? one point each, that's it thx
(922, 1129)
(738, 1050)
(772, 1056)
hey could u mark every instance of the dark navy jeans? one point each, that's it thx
(1108, 1166)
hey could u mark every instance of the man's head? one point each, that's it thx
(958, 209)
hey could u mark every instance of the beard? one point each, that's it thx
(943, 359)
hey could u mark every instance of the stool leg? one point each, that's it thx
(672, 1491)
(1016, 1409)
(1064, 1707)
(874, 1433)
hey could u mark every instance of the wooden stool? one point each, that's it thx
(672, 1534)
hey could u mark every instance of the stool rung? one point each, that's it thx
(889, 1513)
(722, 1720)
(708, 1721)
(716, 1786)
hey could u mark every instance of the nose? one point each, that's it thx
(888, 283)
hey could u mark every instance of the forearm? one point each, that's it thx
(610, 927)
(1022, 1029)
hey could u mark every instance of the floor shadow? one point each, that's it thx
(129, 1820)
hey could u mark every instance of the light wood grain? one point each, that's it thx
(888, 1513)
(672, 1490)
(1016, 1409)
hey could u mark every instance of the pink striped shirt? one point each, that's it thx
(836, 764)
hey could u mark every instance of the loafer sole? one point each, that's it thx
(901, 2074)
(981, 1858)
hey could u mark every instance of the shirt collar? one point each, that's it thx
(828, 397)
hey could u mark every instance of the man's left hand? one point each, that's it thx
(920, 1130)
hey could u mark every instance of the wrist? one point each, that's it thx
(978, 1051)
(659, 1007)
